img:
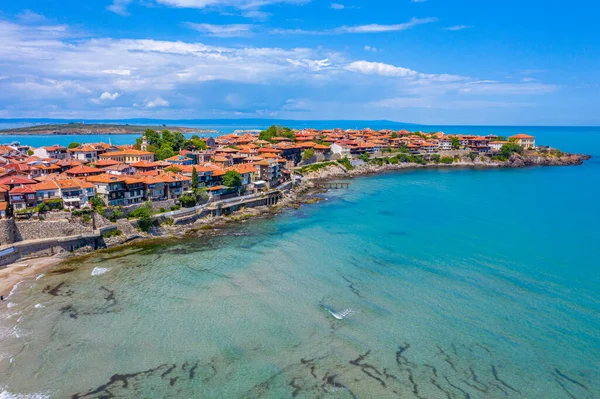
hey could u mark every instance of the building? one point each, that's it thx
(110, 187)
(496, 146)
(84, 153)
(128, 156)
(55, 152)
(524, 140)
(22, 198)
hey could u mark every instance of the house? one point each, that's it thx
(180, 160)
(22, 198)
(83, 171)
(145, 166)
(120, 169)
(524, 140)
(85, 153)
(445, 144)
(128, 156)
(75, 193)
(268, 171)
(110, 187)
(496, 146)
(341, 149)
(46, 190)
(54, 152)
(135, 190)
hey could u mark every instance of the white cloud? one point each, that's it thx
(371, 48)
(379, 68)
(119, 7)
(106, 96)
(239, 4)
(121, 72)
(45, 73)
(234, 30)
(30, 17)
(157, 102)
(370, 28)
(337, 6)
(457, 28)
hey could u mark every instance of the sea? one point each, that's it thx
(450, 283)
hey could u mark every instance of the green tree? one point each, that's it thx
(233, 179)
(394, 135)
(144, 216)
(74, 144)
(153, 137)
(447, 160)
(435, 158)
(364, 157)
(194, 179)
(188, 200)
(30, 152)
(308, 154)
(276, 131)
(509, 148)
(195, 143)
(165, 151)
(97, 202)
(455, 143)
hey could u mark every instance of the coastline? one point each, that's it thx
(305, 193)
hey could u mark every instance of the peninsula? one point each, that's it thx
(93, 129)
(57, 199)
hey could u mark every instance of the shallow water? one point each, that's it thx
(418, 284)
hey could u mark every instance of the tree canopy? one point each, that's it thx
(74, 144)
(232, 179)
(276, 131)
(166, 143)
(509, 148)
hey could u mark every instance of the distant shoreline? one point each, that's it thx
(93, 130)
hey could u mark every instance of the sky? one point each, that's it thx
(420, 61)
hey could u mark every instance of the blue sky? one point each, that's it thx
(435, 62)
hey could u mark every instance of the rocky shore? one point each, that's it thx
(338, 171)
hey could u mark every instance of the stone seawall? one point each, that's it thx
(12, 231)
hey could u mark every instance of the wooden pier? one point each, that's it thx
(333, 185)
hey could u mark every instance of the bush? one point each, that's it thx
(142, 212)
(472, 156)
(162, 210)
(112, 233)
(169, 221)
(435, 158)
(509, 148)
(308, 154)
(447, 160)
(175, 208)
(187, 200)
(345, 162)
(97, 202)
(117, 213)
(364, 157)
(145, 223)
(42, 208)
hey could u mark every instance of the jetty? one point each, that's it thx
(333, 185)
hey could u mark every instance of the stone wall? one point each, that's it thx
(7, 231)
(12, 231)
(156, 206)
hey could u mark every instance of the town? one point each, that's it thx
(167, 166)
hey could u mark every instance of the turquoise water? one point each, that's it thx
(416, 284)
